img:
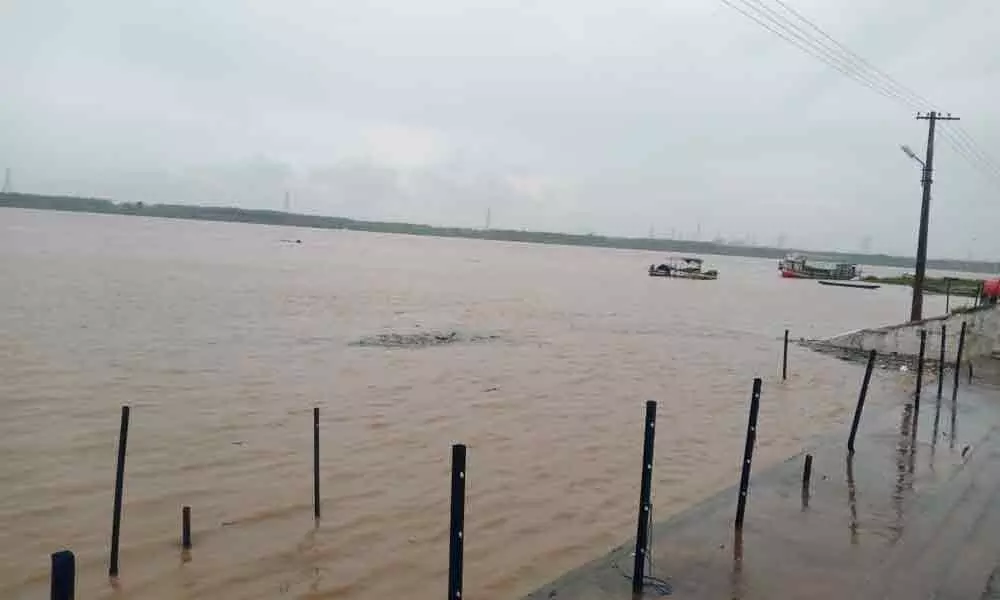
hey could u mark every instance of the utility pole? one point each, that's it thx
(917, 308)
(489, 217)
(8, 187)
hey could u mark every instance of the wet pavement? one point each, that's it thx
(914, 514)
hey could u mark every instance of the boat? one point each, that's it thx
(683, 268)
(797, 266)
(851, 284)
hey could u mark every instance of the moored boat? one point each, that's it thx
(851, 284)
(683, 268)
(797, 266)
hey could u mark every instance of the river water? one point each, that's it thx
(222, 338)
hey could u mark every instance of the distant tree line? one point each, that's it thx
(274, 217)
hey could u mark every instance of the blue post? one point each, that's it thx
(63, 575)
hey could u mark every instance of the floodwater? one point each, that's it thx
(222, 338)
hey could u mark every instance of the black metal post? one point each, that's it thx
(940, 378)
(920, 380)
(741, 504)
(63, 575)
(861, 402)
(642, 524)
(116, 518)
(958, 362)
(784, 359)
(186, 527)
(457, 539)
(807, 470)
(316, 462)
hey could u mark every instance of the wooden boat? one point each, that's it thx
(683, 268)
(796, 266)
(851, 284)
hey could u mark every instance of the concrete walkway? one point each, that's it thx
(909, 517)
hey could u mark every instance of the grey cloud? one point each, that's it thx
(560, 115)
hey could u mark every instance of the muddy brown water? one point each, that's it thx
(222, 338)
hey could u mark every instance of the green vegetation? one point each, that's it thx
(936, 285)
(274, 217)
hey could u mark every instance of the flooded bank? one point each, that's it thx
(913, 513)
(222, 339)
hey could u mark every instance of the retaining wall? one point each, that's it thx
(982, 336)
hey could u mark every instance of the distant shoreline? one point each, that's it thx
(274, 217)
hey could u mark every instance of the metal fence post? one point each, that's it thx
(642, 524)
(457, 537)
(741, 503)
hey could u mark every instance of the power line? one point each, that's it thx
(805, 46)
(841, 58)
(859, 59)
(810, 45)
(976, 149)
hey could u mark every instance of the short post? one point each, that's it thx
(807, 470)
(958, 362)
(920, 379)
(457, 538)
(186, 527)
(947, 295)
(940, 377)
(116, 518)
(63, 575)
(861, 402)
(784, 359)
(741, 504)
(970, 371)
(642, 524)
(316, 462)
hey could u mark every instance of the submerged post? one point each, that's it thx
(63, 575)
(642, 524)
(457, 537)
(970, 371)
(920, 376)
(947, 295)
(958, 362)
(861, 402)
(116, 518)
(316, 462)
(940, 377)
(186, 527)
(784, 359)
(741, 503)
(807, 470)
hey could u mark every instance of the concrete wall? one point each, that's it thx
(982, 336)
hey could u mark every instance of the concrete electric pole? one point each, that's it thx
(917, 307)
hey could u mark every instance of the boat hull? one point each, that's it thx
(828, 275)
(851, 284)
(681, 275)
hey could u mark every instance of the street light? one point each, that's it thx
(909, 152)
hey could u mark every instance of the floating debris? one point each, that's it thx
(419, 339)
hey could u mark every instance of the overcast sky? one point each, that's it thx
(566, 115)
